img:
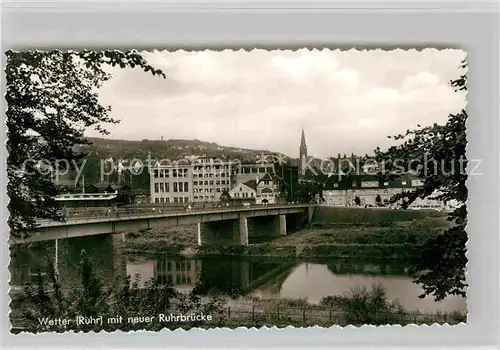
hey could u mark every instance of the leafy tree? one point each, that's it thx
(378, 200)
(309, 191)
(436, 154)
(304, 192)
(124, 297)
(357, 200)
(52, 98)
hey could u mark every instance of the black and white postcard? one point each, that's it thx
(207, 189)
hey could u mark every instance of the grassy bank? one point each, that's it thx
(391, 241)
(174, 240)
(368, 236)
(370, 216)
(358, 306)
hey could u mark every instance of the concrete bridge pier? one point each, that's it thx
(268, 226)
(242, 231)
(225, 232)
(310, 214)
(282, 223)
(238, 231)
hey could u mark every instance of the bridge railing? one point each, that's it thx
(151, 212)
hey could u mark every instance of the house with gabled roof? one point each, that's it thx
(267, 190)
(244, 191)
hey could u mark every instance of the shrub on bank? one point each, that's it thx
(363, 306)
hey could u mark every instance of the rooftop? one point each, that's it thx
(371, 181)
(85, 197)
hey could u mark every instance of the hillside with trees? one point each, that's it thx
(101, 152)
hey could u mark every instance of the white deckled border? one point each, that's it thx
(327, 26)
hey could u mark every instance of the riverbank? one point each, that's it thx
(357, 307)
(360, 240)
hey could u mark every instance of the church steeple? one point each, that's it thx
(303, 154)
(303, 146)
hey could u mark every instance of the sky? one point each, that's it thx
(346, 101)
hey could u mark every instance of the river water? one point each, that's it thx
(235, 276)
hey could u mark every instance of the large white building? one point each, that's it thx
(202, 179)
(190, 180)
(343, 192)
(210, 179)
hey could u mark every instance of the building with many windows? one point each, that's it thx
(171, 183)
(202, 179)
(371, 192)
(248, 172)
(210, 179)
(190, 180)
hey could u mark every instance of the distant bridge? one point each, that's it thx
(219, 226)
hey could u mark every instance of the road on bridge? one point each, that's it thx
(155, 212)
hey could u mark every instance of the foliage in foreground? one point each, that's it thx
(52, 100)
(372, 306)
(436, 154)
(124, 298)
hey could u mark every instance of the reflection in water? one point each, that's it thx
(180, 273)
(278, 279)
(267, 278)
(316, 281)
(145, 270)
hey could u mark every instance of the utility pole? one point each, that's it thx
(83, 184)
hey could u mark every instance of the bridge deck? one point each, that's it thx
(141, 215)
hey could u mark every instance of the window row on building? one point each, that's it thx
(244, 195)
(254, 169)
(211, 168)
(162, 187)
(210, 182)
(166, 173)
(210, 190)
(204, 198)
(210, 175)
(162, 200)
(184, 172)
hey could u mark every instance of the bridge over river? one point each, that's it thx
(215, 226)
